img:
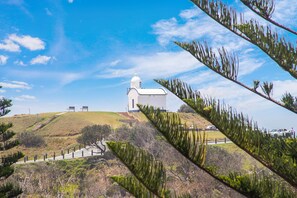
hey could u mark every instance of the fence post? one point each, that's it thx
(44, 157)
(72, 154)
(35, 157)
(79, 147)
(225, 139)
(82, 153)
(62, 153)
(68, 151)
(92, 152)
(54, 156)
(25, 159)
(216, 141)
(74, 149)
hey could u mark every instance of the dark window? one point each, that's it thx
(133, 103)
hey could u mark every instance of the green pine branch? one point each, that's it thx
(281, 51)
(227, 66)
(271, 152)
(265, 9)
(192, 145)
(150, 172)
(7, 189)
(132, 185)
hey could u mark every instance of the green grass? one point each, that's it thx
(248, 163)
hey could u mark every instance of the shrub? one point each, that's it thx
(29, 139)
(91, 134)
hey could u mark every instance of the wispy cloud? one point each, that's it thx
(40, 60)
(70, 1)
(155, 65)
(19, 3)
(285, 12)
(15, 85)
(192, 25)
(31, 43)
(3, 59)
(115, 62)
(63, 78)
(24, 98)
(19, 62)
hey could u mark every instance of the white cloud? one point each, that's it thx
(10, 46)
(31, 43)
(2, 91)
(189, 13)
(3, 59)
(115, 62)
(67, 78)
(40, 60)
(285, 12)
(24, 98)
(15, 85)
(156, 65)
(70, 1)
(194, 25)
(19, 62)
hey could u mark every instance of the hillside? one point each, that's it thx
(60, 130)
(81, 177)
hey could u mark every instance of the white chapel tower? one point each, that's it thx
(138, 95)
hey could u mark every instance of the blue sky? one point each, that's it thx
(55, 54)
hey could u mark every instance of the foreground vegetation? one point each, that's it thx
(90, 177)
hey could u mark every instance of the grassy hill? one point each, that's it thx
(83, 176)
(60, 130)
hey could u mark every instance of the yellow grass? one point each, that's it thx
(214, 135)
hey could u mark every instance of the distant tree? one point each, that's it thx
(29, 139)
(94, 135)
(184, 108)
(7, 189)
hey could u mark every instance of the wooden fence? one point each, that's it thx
(54, 155)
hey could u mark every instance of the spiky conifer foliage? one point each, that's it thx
(7, 190)
(277, 154)
(192, 145)
(149, 178)
(276, 47)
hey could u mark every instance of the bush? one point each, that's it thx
(29, 139)
(94, 133)
(185, 109)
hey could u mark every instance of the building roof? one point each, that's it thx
(159, 91)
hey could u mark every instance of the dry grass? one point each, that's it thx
(214, 135)
(22, 122)
(60, 132)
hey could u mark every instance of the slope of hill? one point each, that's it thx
(83, 176)
(60, 130)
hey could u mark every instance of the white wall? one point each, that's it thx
(133, 94)
(158, 101)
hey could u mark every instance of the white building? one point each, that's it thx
(151, 97)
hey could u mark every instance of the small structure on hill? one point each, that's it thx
(138, 95)
(71, 108)
(84, 108)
